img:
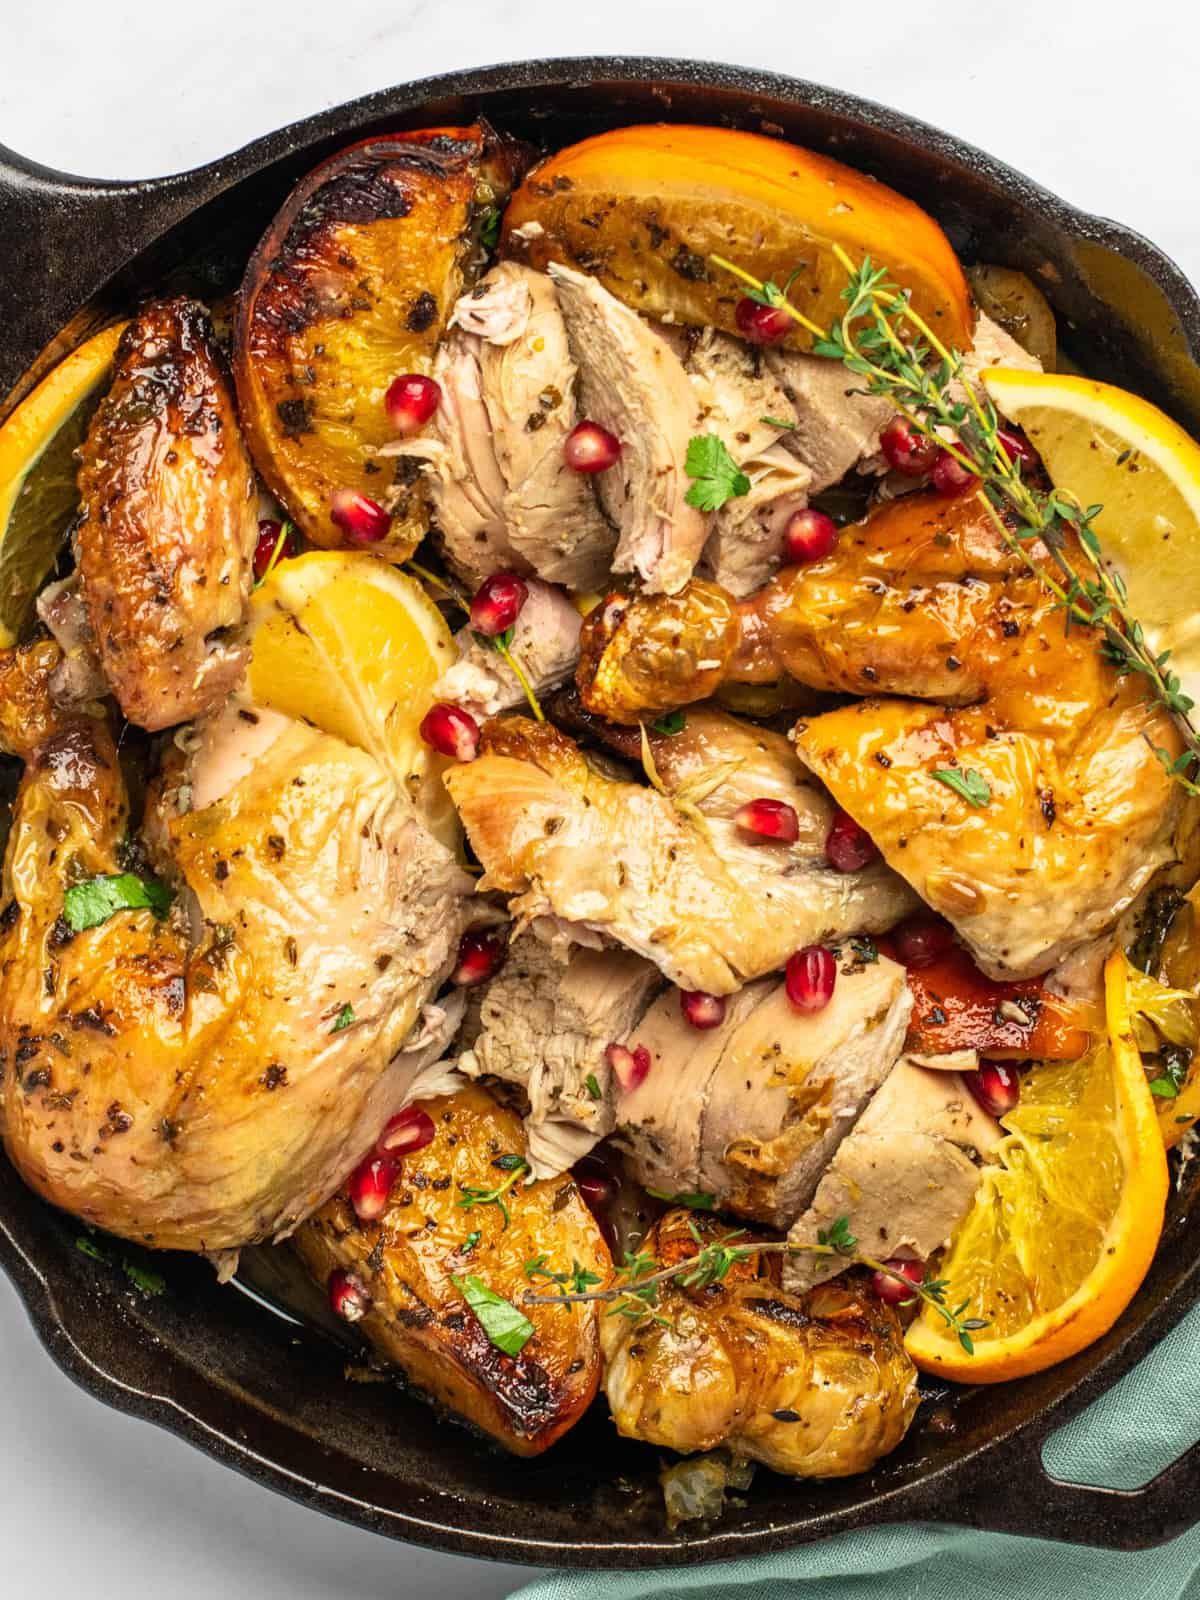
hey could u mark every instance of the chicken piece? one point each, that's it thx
(904, 1178)
(632, 383)
(752, 1111)
(614, 860)
(993, 347)
(204, 1081)
(837, 425)
(62, 608)
(167, 538)
(545, 1025)
(545, 645)
(412, 1263)
(818, 1387)
(746, 546)
(956, 1008)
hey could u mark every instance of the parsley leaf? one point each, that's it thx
(88, 904)
(592, 1086)
(343, 1019)
(695, 1200)
(508, 1329)
(489, 233)
(971, 785)
(716, 475)
(671, 723)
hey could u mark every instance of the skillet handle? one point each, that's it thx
(1008, 1490)
(74, 234)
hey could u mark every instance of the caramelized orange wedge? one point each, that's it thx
(644, 209)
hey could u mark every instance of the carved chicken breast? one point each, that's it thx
(169, 521)
(817, 1386)
(411, 1265)
(617, 861)
(544, 644)
(204, 1079)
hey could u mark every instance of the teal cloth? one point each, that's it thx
(1123, 1440)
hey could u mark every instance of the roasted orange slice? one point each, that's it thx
(350, 287)
(644, 209)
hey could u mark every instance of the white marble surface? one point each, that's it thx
(1096, 100)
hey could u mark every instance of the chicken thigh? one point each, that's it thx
(205, 1078)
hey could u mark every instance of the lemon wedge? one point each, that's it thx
(1065, 1225)
(1115, 450)
(38, 493)
(350, 645)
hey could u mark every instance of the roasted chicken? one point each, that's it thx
(169, 524)
(204, 1079)
(816, 1386)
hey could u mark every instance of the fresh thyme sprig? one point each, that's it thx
(473, 1196)
(634, 1294)
(499, 643)
(883, 340)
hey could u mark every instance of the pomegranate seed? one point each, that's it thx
(949, 475)
(809, 978)
(361, 519)
(481, 953)
(410, 402)
(906, 450)
(370, 1185)
(409, 1130)
(769, 819)
(497, 603)
(700, 1009)
(890, 1290)
(848, 848)
(809, 536)
(268, 542)
(591, 448)
(1018, 448)
(630, 1066)
(996, 1086)
(920, 941)
(761, 324)
(347, 1297)
(451, 731)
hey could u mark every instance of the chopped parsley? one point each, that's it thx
(88, 904)
(1172, 1064)
(146, 1282)
(509, 1329)
(716, 476)
(343, 1019)
(592, 1087)
(672, 723)
(489, 233)
(971, 785)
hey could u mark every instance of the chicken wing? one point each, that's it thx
(817, 1386)
(169, 521)
(204, 1079)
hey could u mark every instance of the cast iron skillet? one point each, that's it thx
(220, 1371)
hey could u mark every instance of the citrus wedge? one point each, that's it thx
(1115, 450)
(1064, 1227)
(38, 493)
(644, 209)
(350, 645)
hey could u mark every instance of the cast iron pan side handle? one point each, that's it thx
(1008, 1490)
(63, 237)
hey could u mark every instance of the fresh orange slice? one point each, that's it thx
(1065, 1225)
(643, 209)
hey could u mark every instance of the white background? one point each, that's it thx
(1096, 99)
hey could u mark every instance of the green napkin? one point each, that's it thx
(1122, 1441)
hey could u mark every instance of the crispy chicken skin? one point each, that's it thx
(604, 859)
(817, 1386)
(407, 1262)
(169, 521)
(179, 1082)
(924, 600)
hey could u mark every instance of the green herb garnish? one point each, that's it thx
(716, 476)
(343, 1019)
(695, 1200)
(509, 1330)
(147, 1282)
(777, 422)
(88, 904)
(1173, 1062)
(473, 1196)
(489, 233)
(672, 723)
(592, 1086)
(470, 1242)
(971, 785)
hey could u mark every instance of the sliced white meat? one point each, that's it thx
(904, 1178)
(993, 347)
(78, 676)
(745, 548)
(545, 645)
(633, 384)
(837, 426)
(545, 1025)
(752, 1111)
